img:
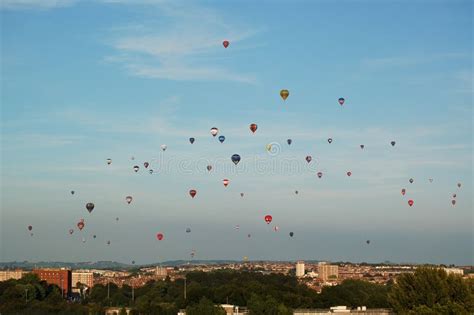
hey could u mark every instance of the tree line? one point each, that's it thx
(427, 291)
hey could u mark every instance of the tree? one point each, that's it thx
(204, 306)
(431, 290)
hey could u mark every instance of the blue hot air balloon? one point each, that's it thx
(235, 158)
(289, 141)
(191, 140)
(221, 139)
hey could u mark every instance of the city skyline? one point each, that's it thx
(84, 81)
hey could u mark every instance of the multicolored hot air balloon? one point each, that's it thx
(192, 193)
(214, 131)
(284, 94)
(136, 168)
(128, 199)
(225, 43)
(235, 158)
(410, 202)
(341, 101)
(253, 127)
(320, 174)
(90, 206)
(191, 140)
(163, 147)
(221, 139)
(225, 181)
(308, 158)
(160, 236)
(268, 219)
(330, 140)
(109, 161)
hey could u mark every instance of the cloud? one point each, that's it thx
(181, 48)
(405, 61)
(34, 4)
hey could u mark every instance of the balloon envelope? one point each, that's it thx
(253, 127)
(341, 101)
(308, 158)
(320, 174)
(191, 140)
(330, 140)
(214, 131)
(192, 193)
(268, 218)
(30, 228)
(159, 236)
(225, 182)
(128, 199)
(410, 202)
(291, 234)
(109, 161)
(163, 147)
(393, 143)
(289, 141)
(221, 139)
(284, 94)
(136, 168)
(225, 43)
(235, 158)
(90, 206)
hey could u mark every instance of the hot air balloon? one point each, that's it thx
(30, 228)
(192, 254)
(431, 180)
(108, 242)
(83, 240)
(341, 101)
(235, 158)
(71, 231)
(248, 235)
(411, 180)
(454, 195)
(128, 199)
(117, 219)
(269, 147)
(241, 194)
(90, 206)
(225, 43)
(330, 140)
(72, 192)
(362, 146)
(237, 227)
(268, 218)
(403, 192)
(188, 230)
(221, 139)
(410, 202)
(209, 168)
(453, 202)
(133, 262)
(191, 140)
(349, 173)
(192, 193)
(159, 236)
(291, 234)
(276, 228)
(136, 168)
(320, 174)
(146, 164)
(284, 94)
(368, 241)
(132, 158)
(393, 143)
(80, 225)
(459, 185)
(214, 131)
(163, 147)
(308, 158)
(95, 236)
(289, 141)
(150, 171)
(296, 192)
(253, 127)
(109, 161)
(225, 182)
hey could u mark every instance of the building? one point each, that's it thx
(229, 310)
(361, 310)
(60, 277)
(454, 271)
(299, 269)
(161, 272)
(117, 310)
(83, 277)
(11, 274)
(328, 272)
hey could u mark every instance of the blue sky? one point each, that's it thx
(83, 81)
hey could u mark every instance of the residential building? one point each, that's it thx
(83, 277)
(299, 269)
(11, 274)
(328, 272)
(60, 277)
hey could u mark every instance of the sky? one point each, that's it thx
(84, 81)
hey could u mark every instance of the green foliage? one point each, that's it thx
(204, 307)
(431, 291)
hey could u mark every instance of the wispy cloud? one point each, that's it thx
(180, 50)
(34, 4)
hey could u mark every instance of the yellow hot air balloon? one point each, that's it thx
(284, 94)
(269, 147)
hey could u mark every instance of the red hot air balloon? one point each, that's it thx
(253, 127)
(159, 236)
(225, 43)
(80, 225)
(268, 219)
(308, 158)
(403, 192)
(349, 173)
(192, 192)
(225, 182)
(410, 202)
(320, 174)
